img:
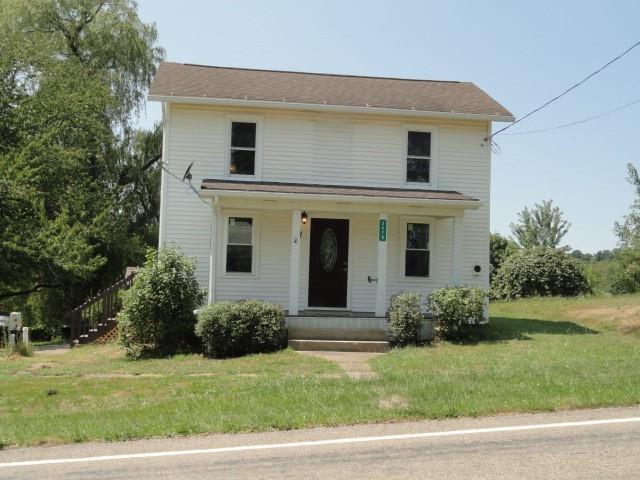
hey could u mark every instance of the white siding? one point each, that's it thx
(466, 167)
(271, 280)
(193, 136)
(330, 149)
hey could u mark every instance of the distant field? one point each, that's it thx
(540, 354)
(619, 313)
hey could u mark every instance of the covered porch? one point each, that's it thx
(339, 250)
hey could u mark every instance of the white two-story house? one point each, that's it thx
(325, 192)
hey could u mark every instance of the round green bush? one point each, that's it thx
(455, 307)
(231, 329)
(540, 271)
(157, 317)
(405, 318)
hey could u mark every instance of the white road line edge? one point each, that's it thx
(312, 443)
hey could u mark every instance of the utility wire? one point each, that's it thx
(181, 180)
(593, 74)
(558, 127)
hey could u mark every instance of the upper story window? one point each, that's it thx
(240, 245)
(417, 252)
(242, 154)
(418, 157)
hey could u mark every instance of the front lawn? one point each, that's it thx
(540, 354)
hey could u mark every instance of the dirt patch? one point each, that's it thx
(330, 375)
(40, 366)
(625, 318)
(121, 375)
(393, 402)
(355, 364)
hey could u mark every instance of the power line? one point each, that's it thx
(566, 91)
(588, 119)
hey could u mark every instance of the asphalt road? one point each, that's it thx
(566, 445)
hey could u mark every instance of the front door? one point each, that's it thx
(328, 263)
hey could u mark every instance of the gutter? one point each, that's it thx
(231, 102)
(466, 204)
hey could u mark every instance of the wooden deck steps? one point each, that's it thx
(104, 332)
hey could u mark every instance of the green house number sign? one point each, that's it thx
(382, 230)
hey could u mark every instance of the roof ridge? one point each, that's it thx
(294, 72)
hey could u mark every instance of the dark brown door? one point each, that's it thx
(328, 263)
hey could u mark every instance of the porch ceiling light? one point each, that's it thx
(304, 217)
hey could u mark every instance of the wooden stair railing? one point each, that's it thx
(96, 318)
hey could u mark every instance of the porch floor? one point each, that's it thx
(333, 313)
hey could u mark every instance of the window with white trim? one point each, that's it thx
(418, 157)
(417, 255)
(242, 148)
(240, 245)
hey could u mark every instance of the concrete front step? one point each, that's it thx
(336, 334)
(341, 322)
(339, 345)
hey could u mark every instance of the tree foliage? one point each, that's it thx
(628, 232)
(499, 249)
(539, 271)
(541, 226)
(157, 317)
(75, 206)
(105, 37)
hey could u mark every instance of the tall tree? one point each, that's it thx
(541, 226)
(73, 76)
(628, 232)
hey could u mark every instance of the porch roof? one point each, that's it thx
(290, 191)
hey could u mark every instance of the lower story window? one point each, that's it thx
(240, 245)
(417, 253)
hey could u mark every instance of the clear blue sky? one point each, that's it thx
(521, 53)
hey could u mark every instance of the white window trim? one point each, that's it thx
(433, 164)
(403, 246)
(255, 238)
(257, 171)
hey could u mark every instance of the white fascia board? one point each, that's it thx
(331, 108)
(465, 204)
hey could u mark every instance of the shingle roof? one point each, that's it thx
(315, 189)
(197, 81)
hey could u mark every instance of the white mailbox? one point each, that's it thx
(15, 321)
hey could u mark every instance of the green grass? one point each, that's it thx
(541, 354)
(45, 343)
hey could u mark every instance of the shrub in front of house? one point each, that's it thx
(454, 308)
(157, 316)
(540, 271)
(231, 329)
(405, 318)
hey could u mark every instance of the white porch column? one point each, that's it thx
(381, 285)
(294, 263)
(457, 251)
(213, 251)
